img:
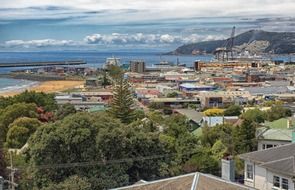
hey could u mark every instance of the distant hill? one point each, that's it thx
(257, 40)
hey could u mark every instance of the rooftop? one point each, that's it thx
(283, 123)
(279, 159)
(193, 181)
(191, 114)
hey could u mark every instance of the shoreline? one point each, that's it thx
(46, 87)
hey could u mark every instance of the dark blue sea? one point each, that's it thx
(93, 59)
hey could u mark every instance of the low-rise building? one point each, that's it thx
(176, 102)
(275, 133)
(270, 169)
(222, 98)
(192, 181)
(212, 121)
(146, 93)
(192, 89)
(79, 102)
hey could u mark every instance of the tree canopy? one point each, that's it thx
(233, 110)
(277, 112)
(254, 115)
(39, 98)
(122, 105)
(20, 131)
(64, 110)
(12, 112)
(94, 138)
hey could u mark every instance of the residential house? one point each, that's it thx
(212, 121)
(192, 181)
(276, 133)
(270, 169)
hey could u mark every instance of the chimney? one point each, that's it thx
(228, 169)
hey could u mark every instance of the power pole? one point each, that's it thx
(1, 182)
(12, 184)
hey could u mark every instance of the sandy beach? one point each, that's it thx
(48, 87)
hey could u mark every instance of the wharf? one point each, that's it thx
(47, 63)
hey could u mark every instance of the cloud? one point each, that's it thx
(141, 38)
(114, 39)
(39, 43)
(135, 10)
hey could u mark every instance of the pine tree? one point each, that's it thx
(105, 80)
(122, 103)
(245, 140)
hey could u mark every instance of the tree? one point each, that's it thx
(2, 163)
(219, 150)
(105, 81)
(271, 103)
(233, 110)
(122, 103)
(172, 95)
(41, 99)
(167, 110)
(179, 141)
(72, 183)
(214, 112)
(20, 131)
(139, 114)
(12, 112)
(244, 137)
(156, 105)
(65, 110)
(220, 132)
(96, 139)
(254, 115)
(203, 161)
(278, 112)
(115, 72)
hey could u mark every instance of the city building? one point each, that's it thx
(137, 66)
(223, 98)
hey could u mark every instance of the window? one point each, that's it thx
(249, 171)
(282, 183)
(266, 146)
(276, 181)
(285, 183)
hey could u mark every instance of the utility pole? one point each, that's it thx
(12, 184)
(1, 182)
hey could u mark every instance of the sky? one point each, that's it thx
(151, 24)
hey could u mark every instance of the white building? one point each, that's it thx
(270, 169)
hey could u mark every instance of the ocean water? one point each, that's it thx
(95, 59)
(8, 85)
